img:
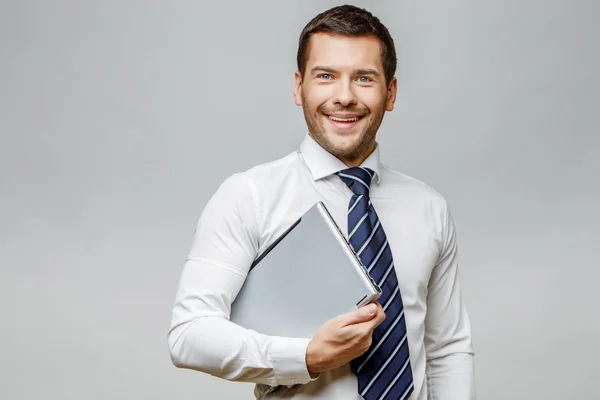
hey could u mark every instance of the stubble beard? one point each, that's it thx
(363, 145)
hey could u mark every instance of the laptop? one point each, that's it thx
(309, 275)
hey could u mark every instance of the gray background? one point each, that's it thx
(120, 118)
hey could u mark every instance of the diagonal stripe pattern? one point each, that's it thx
(384, 371)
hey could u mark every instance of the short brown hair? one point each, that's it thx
(349, 20)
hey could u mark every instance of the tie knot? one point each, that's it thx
(358, 179)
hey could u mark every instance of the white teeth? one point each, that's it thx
(343, 120)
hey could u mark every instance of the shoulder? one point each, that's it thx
(262, 179)
(243, 193)
(272, 170)
(270, 176)
(401, 184)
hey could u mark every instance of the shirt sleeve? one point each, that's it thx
(447, 326)
(201, 337)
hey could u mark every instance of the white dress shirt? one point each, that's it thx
(251, 209)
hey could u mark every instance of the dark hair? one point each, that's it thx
(352, 21)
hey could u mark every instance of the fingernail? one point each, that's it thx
(371, 308)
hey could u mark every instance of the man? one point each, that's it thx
(416, 342)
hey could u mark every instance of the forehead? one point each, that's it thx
(341, 52)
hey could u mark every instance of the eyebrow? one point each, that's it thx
(368, 71)
(324, 69)
(361, 71)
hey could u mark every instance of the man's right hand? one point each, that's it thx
(343, 338)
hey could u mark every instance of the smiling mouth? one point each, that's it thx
(344, 122)
(344, 125)
(336, 119)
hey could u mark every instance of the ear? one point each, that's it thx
(391, 94)
(298, 88)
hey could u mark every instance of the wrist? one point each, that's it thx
(311, 361)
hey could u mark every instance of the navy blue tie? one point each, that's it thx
(384, 371)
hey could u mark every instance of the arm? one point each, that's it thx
(201, 336)
(447, 326)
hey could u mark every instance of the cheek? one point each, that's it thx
(316, 96)
(375, 101)
(373, 97)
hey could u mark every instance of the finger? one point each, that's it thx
(376, 320)
(379, 317)
(363, 314)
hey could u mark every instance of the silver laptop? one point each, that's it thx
(309, 275)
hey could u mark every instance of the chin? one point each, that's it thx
(344, 146)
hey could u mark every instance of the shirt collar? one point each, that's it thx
(322, 163)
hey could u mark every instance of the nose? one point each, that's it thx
(344, 94)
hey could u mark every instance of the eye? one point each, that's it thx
(324, 76)
(364, 79)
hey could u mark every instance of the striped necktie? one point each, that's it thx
(384, 371)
